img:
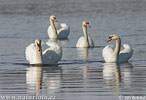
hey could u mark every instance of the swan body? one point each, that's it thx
(51, 55)
(58, 30)
(85, 41)
(111, 56)
(82, 42)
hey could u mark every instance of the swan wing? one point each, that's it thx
(126, 53)
(107, 53)
(52, 54)
(30, 53)
(91, 43)
(63, 30)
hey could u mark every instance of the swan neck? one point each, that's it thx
(53, 28)
(86, 35)
(39, 56)
(118, 47)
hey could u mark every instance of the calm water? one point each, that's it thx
(82, 73)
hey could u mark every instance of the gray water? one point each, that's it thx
(81, 74)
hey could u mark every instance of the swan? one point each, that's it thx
(85, 41)
(51, 55)
(112, 56)
(59, 30)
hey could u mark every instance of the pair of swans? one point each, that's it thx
(61, 31)
(53, 53)
(109, 55)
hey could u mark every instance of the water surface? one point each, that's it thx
(82, 73)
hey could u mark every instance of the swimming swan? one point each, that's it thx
(59, 30)
(51, 55)
(111, 56)
(85, 41)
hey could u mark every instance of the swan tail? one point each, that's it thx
(127, 49)
(54, 46)
(52, 54)
(126, 53)
(63, 25)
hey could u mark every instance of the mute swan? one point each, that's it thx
(116, 55)
(85, 41)
(59, 30)
(51, 55)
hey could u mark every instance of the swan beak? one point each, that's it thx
(55, 20)
(88, 25)
(109, 40)
(38, 47)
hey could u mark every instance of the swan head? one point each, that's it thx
(38, 44)
(86, 24)
(52, 17)
(113, 37)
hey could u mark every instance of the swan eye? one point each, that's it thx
(110, 37)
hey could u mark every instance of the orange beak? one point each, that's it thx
(88, 25)
(55, 20)
(109, 40)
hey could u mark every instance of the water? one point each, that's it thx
(82, 73)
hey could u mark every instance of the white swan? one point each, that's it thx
(51, 55)
(85, 41)
(116, 55)
(59, 30)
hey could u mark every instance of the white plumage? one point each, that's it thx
(49, 56)
(82, 42)
(62, 31)
(111, 55)
(124, 54)
(30, 53)
(53, 54)
(57, 30)
(85, 41)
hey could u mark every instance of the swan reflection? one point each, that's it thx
(63, 42)
(52, 78)
(111, 73)
(83, 52)
(115, 73)
(49, 76)
(34, 78)
(126, 73)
